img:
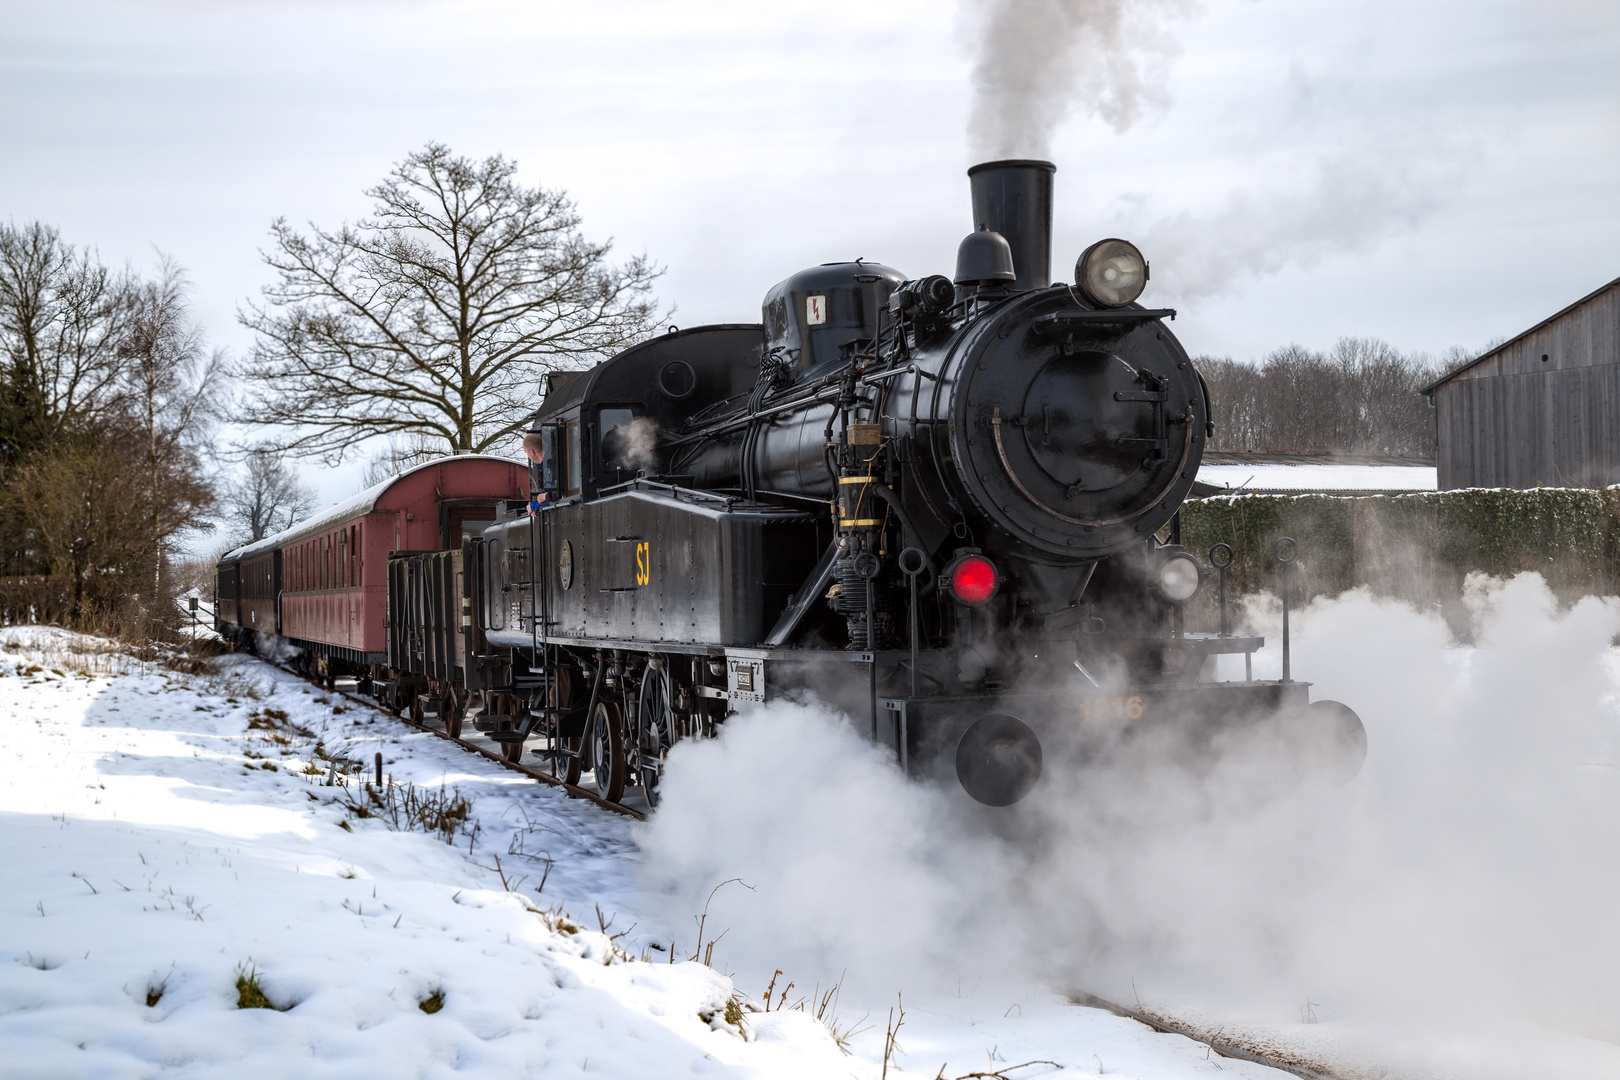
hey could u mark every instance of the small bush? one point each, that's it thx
(432, 1003)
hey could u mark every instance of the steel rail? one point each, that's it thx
(1222, 1046)
(574, 790)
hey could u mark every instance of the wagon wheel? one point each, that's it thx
(454, 709)
(607, 750)
(510, 706)
(655, 728)
(561, 756)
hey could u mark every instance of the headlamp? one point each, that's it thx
(1180, 578)
(1111, 272)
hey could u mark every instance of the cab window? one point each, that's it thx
(626, 442)
(573, 456)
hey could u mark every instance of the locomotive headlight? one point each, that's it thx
(1179, 578)
(1111, 272)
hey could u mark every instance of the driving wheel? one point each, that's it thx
(607, 750)
(655, 728)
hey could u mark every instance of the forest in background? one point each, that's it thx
(1360, 397)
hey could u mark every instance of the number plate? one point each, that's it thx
(1112, 708)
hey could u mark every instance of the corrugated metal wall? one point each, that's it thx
(1543, 409)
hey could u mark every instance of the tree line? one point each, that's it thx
(425, 328)
(108, 397)
(1361, 396)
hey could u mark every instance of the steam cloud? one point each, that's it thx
(635, 445)
(1465, 876)
(1037, 58)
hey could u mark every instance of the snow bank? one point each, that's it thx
(162, 840)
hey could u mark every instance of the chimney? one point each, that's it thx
(1014, 198)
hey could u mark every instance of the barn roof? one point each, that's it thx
(1452, 374)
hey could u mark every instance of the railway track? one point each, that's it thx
(1219, 1041)
(574, 790)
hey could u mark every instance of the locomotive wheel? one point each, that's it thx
(512, 751)
(560, 757)
(607, 750)
(655, 729)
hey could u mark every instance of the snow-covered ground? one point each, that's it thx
(167, 838)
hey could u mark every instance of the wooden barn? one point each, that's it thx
(1543, 408)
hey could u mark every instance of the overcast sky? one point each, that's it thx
(1431, 172)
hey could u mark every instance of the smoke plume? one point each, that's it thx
(1035, 59)
(1349, 203)
(1465, 876)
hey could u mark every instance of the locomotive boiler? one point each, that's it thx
(945, 504)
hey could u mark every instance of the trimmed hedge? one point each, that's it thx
(1415, 547)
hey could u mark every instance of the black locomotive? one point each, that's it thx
(940, 503)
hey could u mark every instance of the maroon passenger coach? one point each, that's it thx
(321, 585)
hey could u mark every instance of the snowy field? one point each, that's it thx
(177, 845)
(166, 836)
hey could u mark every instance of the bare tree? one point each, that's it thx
(437, 316)
(109, 396)
(62, 317)
(399, 455)
(173, 389)
(269, 497)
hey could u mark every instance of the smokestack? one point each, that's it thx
(1014, 198)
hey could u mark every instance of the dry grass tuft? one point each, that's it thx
(432, 1003)
(405, 806)
(821, 1004)
(250, 994)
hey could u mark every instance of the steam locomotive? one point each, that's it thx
(945, 505)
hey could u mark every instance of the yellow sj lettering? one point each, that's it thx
(643, 563)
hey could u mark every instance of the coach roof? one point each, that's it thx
(354, 506)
